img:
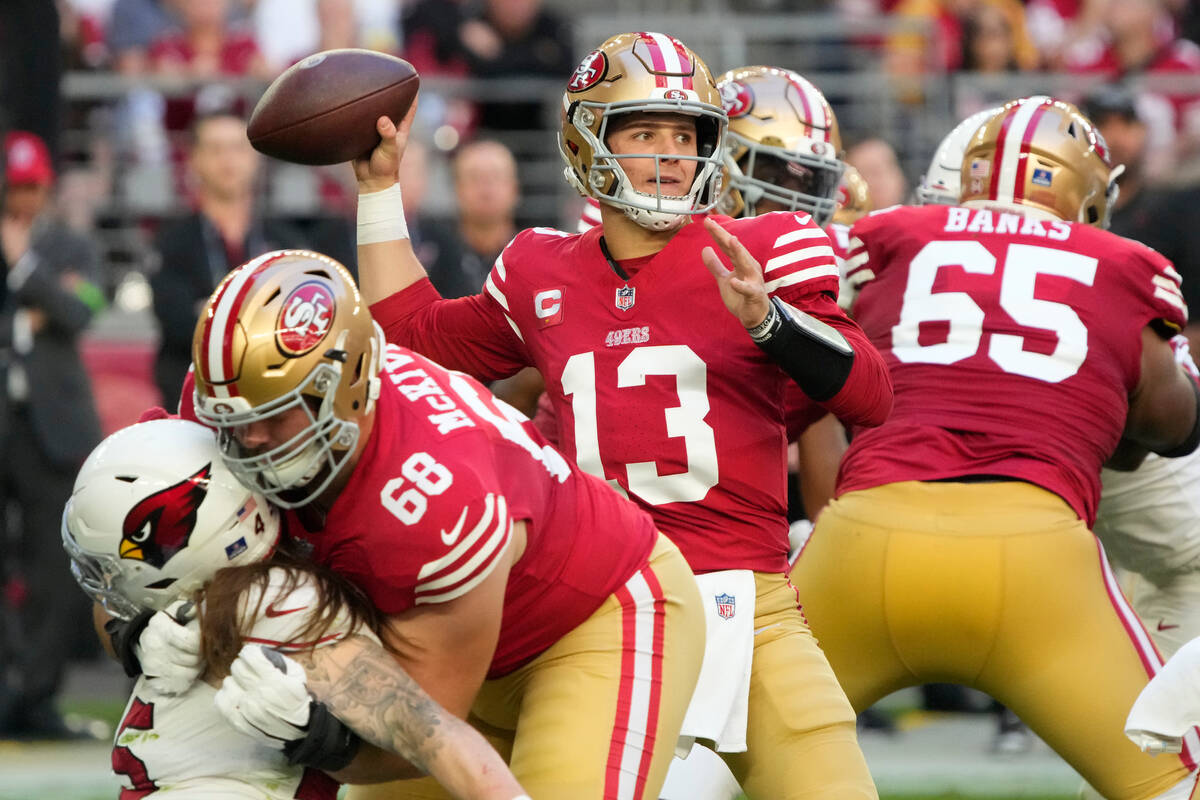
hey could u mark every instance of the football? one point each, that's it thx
(322, 110)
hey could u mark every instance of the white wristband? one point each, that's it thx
(381, 216)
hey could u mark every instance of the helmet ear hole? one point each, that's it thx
(1093, 215)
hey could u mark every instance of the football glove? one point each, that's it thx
(164, 646)
(266, 697)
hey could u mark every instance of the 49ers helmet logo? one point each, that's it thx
(160, 525)
(737, 98)
(590, 71)
(305, 318)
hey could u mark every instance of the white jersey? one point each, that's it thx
(1149, 519)
(183, 746)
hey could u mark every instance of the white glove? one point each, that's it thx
(266, 696)
(169, 649)
(1169, 706)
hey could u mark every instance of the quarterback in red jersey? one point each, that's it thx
(514, 586)
(1026, 344)
(667, 385)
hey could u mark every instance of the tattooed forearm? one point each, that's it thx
(362, 685)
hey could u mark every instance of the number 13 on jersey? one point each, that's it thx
(685, 421)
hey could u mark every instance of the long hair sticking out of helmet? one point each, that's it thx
(641, 72)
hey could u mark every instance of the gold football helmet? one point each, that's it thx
(853, 198)
(783, 144)
(1041, 153)
(641, 72)
(287, 330)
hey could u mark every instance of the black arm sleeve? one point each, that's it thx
(815, 355)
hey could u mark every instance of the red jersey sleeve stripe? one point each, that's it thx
(490, 286)
(857, 260)
(451, 576)
(1165, 289)
(800, 276)
(795, 256)
(798, 235)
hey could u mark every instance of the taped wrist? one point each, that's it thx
(124, 635)
(328, 745)
(381, 216)
(1188, 445)
(815, 355)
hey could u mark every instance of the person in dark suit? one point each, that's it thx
(195, 252)
(48, 425)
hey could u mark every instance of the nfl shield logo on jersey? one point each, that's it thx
(625, 298)
(725, 606)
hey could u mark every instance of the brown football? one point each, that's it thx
(323, 109)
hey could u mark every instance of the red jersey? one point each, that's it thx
(430, 507)
(1013, 345)
(655, 385)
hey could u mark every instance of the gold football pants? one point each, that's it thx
(998, 586)
(597, 715)
(800, 735)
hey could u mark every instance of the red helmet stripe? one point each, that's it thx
(998, 156)
(685, 62)
(1026, 140)
(224, 318)
(657, 61)
(807, 104)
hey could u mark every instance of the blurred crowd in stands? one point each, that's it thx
(133, 189)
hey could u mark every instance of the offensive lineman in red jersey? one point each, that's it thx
(658, 387)
(1024, 345)
(513, 585)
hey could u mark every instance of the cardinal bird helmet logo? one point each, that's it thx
(160, 525)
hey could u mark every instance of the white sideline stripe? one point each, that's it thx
(642, 678)
(799, 235)
(802, 275)
(803, 254)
